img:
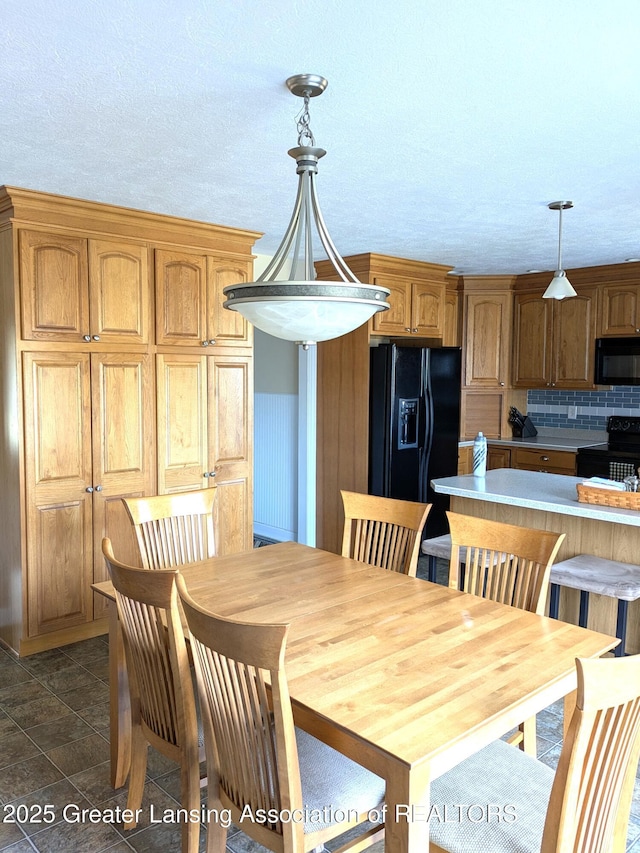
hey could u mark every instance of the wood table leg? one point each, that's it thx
(407, 803)
(119, 708)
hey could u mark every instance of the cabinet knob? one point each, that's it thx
(407, 329)
(502, 384)
(96, 337)
(544, 458)
(415, 330)
(89, 489)
(98, 488)
(212, 473)
(553, 384)
(86, 337)
(206, 474)
(212, 342)
(637, 330)
(205, 343)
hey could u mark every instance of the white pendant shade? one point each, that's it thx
(560, 287)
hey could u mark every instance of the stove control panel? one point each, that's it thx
(622, 424)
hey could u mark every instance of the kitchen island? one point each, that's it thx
(549, 502)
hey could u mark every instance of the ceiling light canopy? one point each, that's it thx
(286, 301)
(560, 287)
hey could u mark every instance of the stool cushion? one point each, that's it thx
(595, 574)
(439, 546)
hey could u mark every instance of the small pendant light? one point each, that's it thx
(560, 286)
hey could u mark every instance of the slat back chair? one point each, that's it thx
(502, 562)
(383, 532)
(585, 807)
(256, 759)
(162, 696)
(173, 530)
(508, 564)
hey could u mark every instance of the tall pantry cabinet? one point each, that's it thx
(104, 395)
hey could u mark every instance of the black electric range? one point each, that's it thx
(617, 459)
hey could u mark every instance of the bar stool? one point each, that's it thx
(587, 574)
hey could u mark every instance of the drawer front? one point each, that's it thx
(554, 461)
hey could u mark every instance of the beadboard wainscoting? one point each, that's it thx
(276, 466)
(589, 408)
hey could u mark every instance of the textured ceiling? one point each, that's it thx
(449, 124)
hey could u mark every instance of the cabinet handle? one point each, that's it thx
(98, 488)
(89, 489)
(544, 458)
(206, 474)
(212, 342)
(212, 473)
(205, 343)
(96, 337)
(553, 384)
(415, 330)
(86, 337)
(407, 329)
(637, 330)
(502, 384)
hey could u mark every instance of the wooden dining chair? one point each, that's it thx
(583, 808)
(383, 532)
(257, 762)
(175, 529)
(504, 563)
(161, 688)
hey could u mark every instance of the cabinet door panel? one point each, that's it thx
(224, 326)
(395, 321)
(54, 286)
(58, 472)
(620, 311)
(180, 298)
(231, 458)
(182, 422)
(532, 341)
(119, 291)
(488, 325)
(427, 309)
(574, 331)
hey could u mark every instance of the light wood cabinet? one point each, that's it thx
(554, 340)
(451, 333)
(487, 339)
(89, 443)
(619, 310)
(96, 410)
(416, 309)
(75, 289)
(205, 425)
(189, 300)
(549, 461)
(498, 457)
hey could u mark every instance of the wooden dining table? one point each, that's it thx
(404, 676)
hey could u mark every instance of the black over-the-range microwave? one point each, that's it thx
(617, 361)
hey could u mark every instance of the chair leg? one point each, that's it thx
(432, 570)
(137, 773)
(554, 600)
(216, 832)
(190, 800)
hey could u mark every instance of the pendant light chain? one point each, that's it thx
(305, 136)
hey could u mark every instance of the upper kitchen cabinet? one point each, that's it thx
(553, 341)
(76, 289)
(189, 300)
(619, 310)
(487, 336)
(417, 298)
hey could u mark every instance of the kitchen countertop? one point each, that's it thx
(532, 490)
(569, 440)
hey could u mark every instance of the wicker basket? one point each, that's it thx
(608, 497)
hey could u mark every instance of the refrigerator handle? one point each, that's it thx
(427, 431)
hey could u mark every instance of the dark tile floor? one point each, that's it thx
(54, 753)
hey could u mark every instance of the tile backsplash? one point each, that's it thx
(591, 408)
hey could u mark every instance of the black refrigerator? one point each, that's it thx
(414, 424)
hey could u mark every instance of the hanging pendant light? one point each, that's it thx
(286, 301)
(560, 286)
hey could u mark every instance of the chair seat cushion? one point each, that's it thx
(495, 801)
(438, 546)
(332, 782)
(595, 574)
